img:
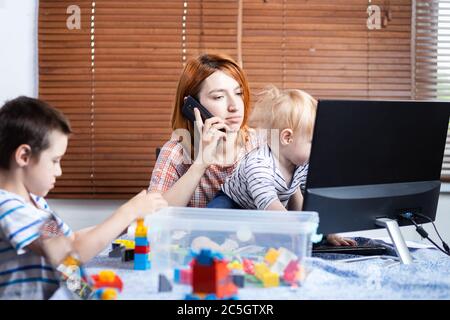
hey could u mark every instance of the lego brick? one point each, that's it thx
(141, 231)
(128, 255)
(205, 257)
(129, 244)
(106, 294)
(143, 265)
(271, 256)
(176, 275)
(261, 269)
(141, 261)
(164, 284)
(141, 241)
(140, 257)
(141, 249)
(117, 252)
(182, 276)
(249, 267)
(107, 280)
(115, 245)
(270, 279)
(106, 276)
(186, 276)
(235, 265)
(238, 280)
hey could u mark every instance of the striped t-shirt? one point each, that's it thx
(257, 181)
(23, 273)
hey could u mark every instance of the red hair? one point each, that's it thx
(197, 70)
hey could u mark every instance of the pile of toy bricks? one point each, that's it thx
(137, 250)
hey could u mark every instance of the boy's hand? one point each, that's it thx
(337, 240)
(145, 203)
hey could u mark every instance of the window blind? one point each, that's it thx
(431, 49)
(116, 76)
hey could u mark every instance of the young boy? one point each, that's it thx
(272, 176)
(33, 139)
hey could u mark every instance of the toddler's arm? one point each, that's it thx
(296, 201)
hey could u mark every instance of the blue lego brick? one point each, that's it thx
(139, 257)
(177, 275)
(205, 257)
(142, 266)
(140, 241)
(141, 262)
(191, 296)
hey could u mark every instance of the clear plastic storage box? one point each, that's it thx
(261, 237)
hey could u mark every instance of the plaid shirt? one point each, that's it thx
(170, 167)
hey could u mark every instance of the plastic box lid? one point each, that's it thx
(174, 231)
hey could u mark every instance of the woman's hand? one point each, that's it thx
(337, 240)
(145, 203)
(209, 137)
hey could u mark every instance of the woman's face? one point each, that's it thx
(222, 96)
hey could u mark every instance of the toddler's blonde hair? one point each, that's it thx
(281, 109)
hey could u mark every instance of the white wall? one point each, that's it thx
(18, 75)
(18, 49)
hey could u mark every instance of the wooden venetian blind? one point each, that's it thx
(115, 79)
(432, 58)
(116, 76)
(325, 47)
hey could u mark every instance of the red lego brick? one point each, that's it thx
(213, 279)
(249, 267)
(141, 249)
(186, 276)
(290, 272)
(116, 283)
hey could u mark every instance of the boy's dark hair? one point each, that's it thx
(28, 121)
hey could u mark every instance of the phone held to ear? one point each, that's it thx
(188, 109)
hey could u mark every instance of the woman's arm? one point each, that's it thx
(181, 192)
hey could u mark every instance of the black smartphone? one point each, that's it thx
(188, 109)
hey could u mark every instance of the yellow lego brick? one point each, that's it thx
(141, 229)
(140, 222)
(260, 270)
(271, 256)
(109, 294)
(129, 244)
(235, 265)
(71, 261)
(270, 279)
(106, 276)
(141, 232)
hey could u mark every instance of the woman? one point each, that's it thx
(219, 84)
